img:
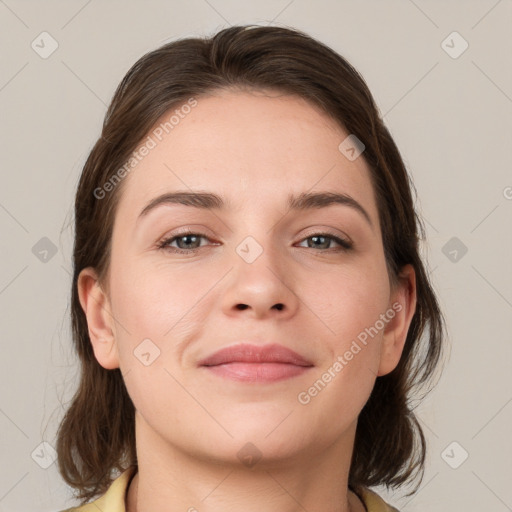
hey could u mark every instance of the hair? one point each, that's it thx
(96, 437)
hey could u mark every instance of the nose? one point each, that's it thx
(260, 289)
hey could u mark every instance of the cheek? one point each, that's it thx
(350, 304)
(349, 300)
(154, 308)
(154, 302)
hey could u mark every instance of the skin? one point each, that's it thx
(253, 149)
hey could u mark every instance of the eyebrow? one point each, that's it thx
(211, 201)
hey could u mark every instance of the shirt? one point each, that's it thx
(115, 497)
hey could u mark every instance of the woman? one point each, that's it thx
(249, 305)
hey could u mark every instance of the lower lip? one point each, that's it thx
(257, 372)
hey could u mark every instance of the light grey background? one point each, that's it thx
(449, 116)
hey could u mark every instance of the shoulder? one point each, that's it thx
(374, 503)
(113, 500)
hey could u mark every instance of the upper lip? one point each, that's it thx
(248, 353)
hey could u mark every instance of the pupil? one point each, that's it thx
(185, 237)
(316, 238)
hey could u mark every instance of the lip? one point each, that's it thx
(248, 353)
(256, 363)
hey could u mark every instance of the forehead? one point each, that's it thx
(252, 148)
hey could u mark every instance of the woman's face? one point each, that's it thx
(255, 273)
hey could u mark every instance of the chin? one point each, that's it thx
(266, 443)
(255, 454)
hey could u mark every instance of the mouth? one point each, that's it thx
(256, 363)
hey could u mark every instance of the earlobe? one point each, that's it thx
(403, 303)
(96, 306)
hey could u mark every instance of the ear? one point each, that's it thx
(96, 306)
(403, 303)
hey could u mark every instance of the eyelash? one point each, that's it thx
(345, 245)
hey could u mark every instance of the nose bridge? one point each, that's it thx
(258, 258)
(257, 237)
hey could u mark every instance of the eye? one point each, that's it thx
(186, 242)
(189, 242)
(324, 240)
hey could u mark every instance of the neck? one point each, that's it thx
(176, 481)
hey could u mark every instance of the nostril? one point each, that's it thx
(241, 307)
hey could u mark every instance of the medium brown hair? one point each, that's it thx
(97, 434)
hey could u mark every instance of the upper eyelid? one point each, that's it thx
(306, 235)
(310, 231)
